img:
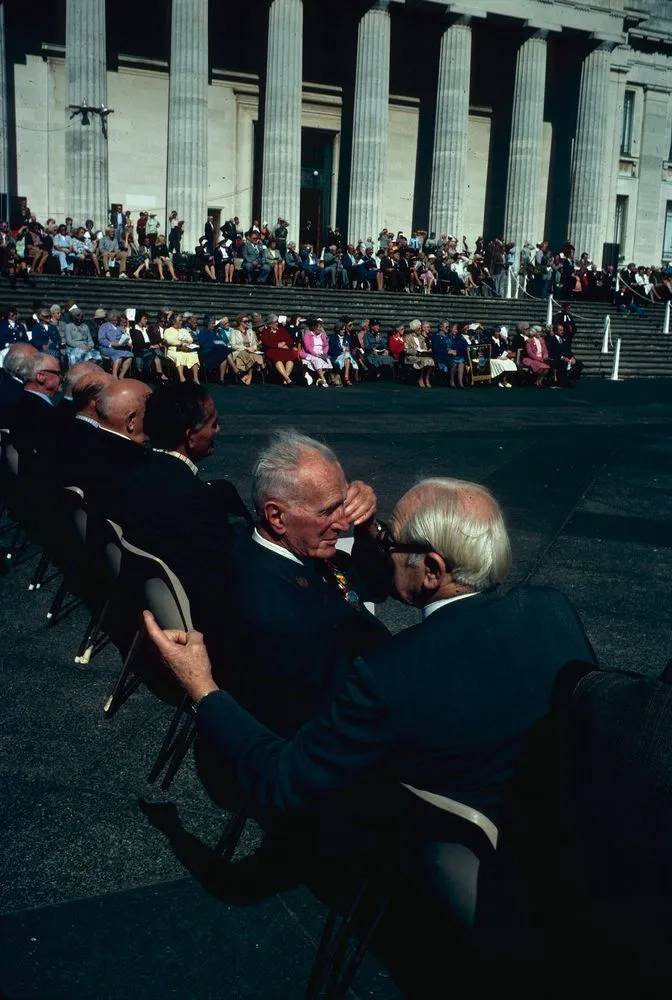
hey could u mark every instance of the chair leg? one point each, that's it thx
(90, 636)
(169, 740)
(341, 989)
(40, 571)
(184, 740)
(332, 943)
(124, 687)
(228, 842)
(57, 602)
(14, 551)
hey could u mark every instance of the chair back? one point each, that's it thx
(109, 539)
(156, 588)
(11, 457)
(76, 505)
(459, 809)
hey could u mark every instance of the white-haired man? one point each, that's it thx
(445, 706)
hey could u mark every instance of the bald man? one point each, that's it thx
(445, 706)
(14, 374)
(117, 443)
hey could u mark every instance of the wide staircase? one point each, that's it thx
(645, 351)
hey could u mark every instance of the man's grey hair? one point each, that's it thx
(272, 318)
(275, 472)
(414, 325)
(16, 362)
(36, 363)
(475, 544)
(56, 308)
(84, 370)
(113, 315)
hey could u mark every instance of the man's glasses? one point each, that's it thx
(387, 543)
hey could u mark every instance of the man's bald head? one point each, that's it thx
(463, 523)
(83, 384)
(16, 360)
(120, 407)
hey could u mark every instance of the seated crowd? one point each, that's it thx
(302, 698)
(297, 350)
(423, 262)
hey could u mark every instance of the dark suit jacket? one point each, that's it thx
(97, 461)
(32, 424)
(165, 509)
(291, 634)
(11, 391)
(446, 705)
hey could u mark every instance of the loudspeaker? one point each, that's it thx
(610, 255)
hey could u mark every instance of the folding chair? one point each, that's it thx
(105, 548)
(332, 972)
(151, 584)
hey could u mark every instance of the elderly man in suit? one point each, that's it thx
(14, 375)
(446, 706)
(165, 507)
(33, 419)
(292, 617)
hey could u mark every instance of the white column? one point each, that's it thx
(521, 216)
(370, 124)
(617, 82)
(655, 148)
(86, 166)
(187, 168)
(587, 222)
(281, 177)
(449, 164)
(4, 133)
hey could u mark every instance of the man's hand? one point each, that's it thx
(184, 653)
(360, 504)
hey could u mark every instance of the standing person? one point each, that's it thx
(118, 222)
(459, 359)
(209, 234)
(152, 227)
(281, 233)
(175, 235)
(128, 235)
(141, 227)
(279, 348)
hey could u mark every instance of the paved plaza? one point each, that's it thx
(94, 904)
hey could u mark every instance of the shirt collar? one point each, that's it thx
(279, 550)
(116, 434)
(429, 609)
(178, 454)
(88, 420)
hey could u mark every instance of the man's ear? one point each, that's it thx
(434, 567)
(274, 515)
(131, 421)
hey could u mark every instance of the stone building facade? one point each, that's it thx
(521, 118)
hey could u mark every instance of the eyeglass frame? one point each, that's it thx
(387, 544)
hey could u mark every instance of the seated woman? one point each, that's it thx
(139, 259)
(314, 353)
(358, 344)
(146, 341)
(536, 355)
(214, 347)
(245, 351)
(341, 349)
(280, 350)
(37, 249)
(224, 261)
(418, 355)
(114, 343)
(78, 340)
(375, 348)
(182, 350)
(275, 262)
(395, 343)
(501, 358)
(162, 258)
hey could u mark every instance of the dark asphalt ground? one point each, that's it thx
(93, 904)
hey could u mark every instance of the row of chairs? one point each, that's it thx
(126, 580)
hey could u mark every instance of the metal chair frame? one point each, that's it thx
(331, 975)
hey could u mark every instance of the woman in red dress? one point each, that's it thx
(395, 344)
(278, 346)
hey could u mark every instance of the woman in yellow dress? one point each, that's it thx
(182, 350)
